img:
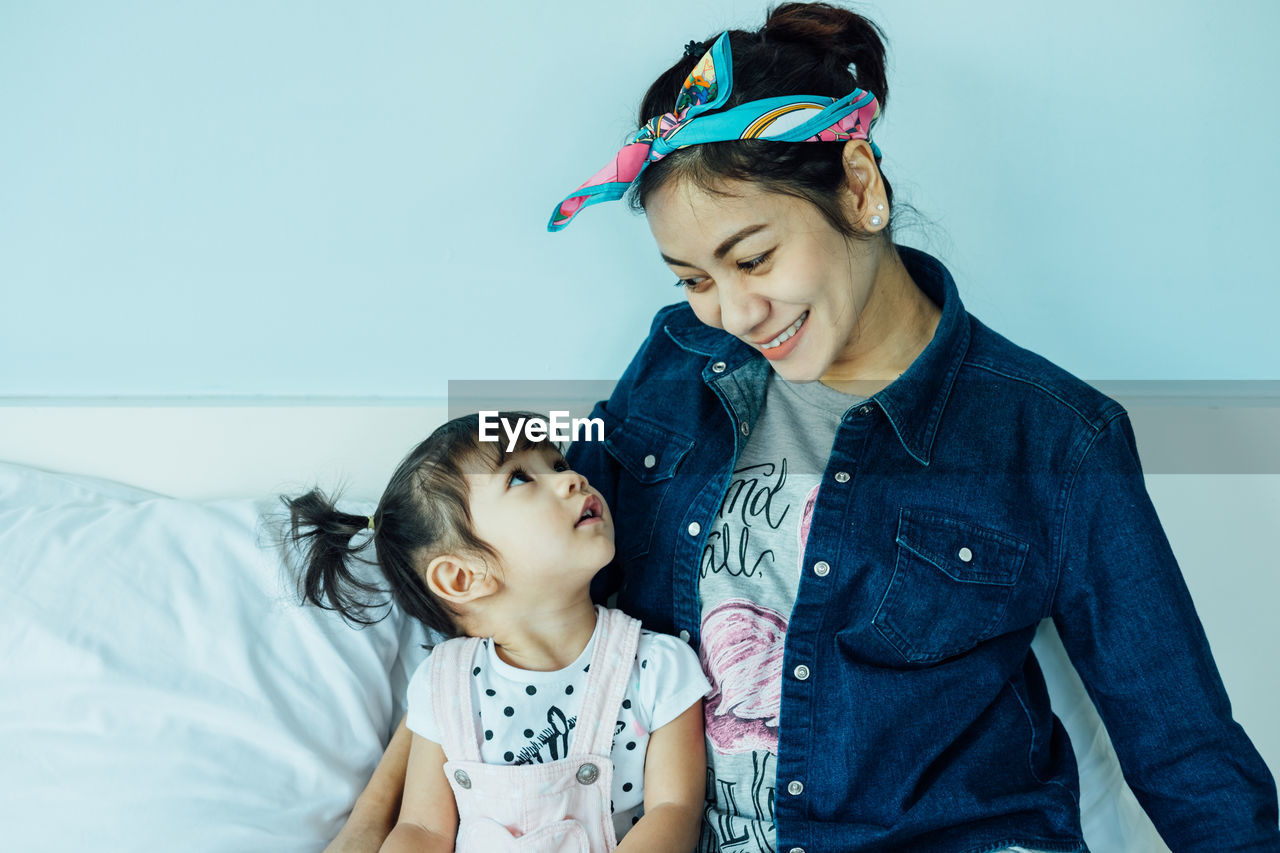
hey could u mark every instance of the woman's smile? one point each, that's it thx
(781, 346)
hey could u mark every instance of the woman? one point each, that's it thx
(858, 502)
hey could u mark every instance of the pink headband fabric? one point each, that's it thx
(790, 118)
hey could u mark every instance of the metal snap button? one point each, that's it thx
(801, 673)
(684, 636)
(650, 461)
(865, 409)
(966, 555)
(588, 774)
(718, 367)
(842, 476)
(795, 787)
(796, 850)
(822, 568)
(461, 777)
(695, 528)
(745, 428)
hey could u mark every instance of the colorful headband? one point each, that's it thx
(790, 118)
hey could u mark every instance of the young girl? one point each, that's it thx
(552, 724)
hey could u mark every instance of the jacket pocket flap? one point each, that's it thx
(965, 552)
(649, 452)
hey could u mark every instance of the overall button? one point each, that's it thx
(718, 367)
(802, 673)
(461, 777)
(795, 787)
(965, 555)
(695, 528)
(822, 568)
(866, 409)
(745, 428)
(588, 774)
(650, 461)
(684, 636)
(796, 850)
(842, 476)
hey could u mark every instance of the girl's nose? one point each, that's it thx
(571, 481)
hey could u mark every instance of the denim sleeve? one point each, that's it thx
(1127, 620)
(593, 461)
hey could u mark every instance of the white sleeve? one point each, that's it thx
(670, 680)
(421, 718)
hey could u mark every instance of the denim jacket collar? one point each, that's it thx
(915, 401)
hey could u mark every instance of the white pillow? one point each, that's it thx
(161, 688)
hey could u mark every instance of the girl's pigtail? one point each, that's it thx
(325, 536)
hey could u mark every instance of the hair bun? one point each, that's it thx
(837, 38)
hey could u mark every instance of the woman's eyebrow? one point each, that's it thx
(724, 248)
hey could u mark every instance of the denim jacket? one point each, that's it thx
(982, 491)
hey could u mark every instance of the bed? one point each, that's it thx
(163, 689)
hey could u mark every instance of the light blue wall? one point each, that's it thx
(340, 198)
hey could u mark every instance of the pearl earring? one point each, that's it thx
(875, 221)
(879, 207)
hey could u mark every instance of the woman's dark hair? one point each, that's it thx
(802, 49)
(423, 513)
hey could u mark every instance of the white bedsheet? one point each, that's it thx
(160, 686)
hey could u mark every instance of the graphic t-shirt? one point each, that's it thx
(748, 580)
(528, 717)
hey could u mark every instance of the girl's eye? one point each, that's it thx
(561, 466)
(756, 262)
(518, 476)
(693, 285)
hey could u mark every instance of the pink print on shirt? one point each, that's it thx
(742, 645)
(806, 519)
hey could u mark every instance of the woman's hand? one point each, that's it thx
(374, 813)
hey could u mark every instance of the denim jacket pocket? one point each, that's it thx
(649, 456)
(952, 581)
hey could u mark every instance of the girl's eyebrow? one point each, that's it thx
(546, 450)
(724, 248)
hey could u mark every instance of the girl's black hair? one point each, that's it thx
(802, 49)
(423, 513)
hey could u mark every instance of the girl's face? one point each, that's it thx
(552, 531)
(767, 268)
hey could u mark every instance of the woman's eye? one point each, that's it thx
(561, 466)
(518, 476)
(757, 261)
(692, 284)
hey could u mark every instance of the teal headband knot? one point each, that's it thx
(694, 121)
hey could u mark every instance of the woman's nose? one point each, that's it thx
(741, 310)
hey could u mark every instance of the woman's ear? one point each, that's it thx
(865, 202)
(459, 579)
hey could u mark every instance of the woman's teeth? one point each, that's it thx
(788, 332)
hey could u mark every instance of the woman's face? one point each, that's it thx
(767, 268)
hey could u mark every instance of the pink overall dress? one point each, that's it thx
(558, 806)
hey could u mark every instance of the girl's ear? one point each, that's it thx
(459, 579)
